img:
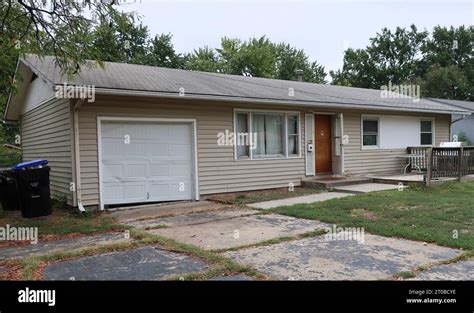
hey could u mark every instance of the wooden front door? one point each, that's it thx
(323, 147)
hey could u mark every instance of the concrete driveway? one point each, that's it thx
(243, 235)
(314, 258)
(321, 259)
(234, 228)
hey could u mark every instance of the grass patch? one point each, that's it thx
(63, 222)
(240, 198)
(436, 215)
(220, 271)
(273, 241)
(405, 275)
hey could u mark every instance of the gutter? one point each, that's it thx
(77, 157)
(173, 95)
(459, 119)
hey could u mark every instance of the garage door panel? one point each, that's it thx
(113, 192)
(112, 149)
(136, 131)
(180, 170)
(135, 191)
(182, 152)
(180, 190)
(113, 172)
(135, 149)
(158, 150)
(160, 132)
(136, 171)
(156, 165)
(159, 191)
(112, 130)
(159, 170)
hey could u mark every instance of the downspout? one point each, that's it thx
(77, 157)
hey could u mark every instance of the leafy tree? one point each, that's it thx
(228, 55)
(204, 59)
(442, 64)
(161, 53)
(448, 47)
(56, 27)
(119, 37)
(290, 59)
(391, 56)
(446, 83)
(447, 67)
(258, 57)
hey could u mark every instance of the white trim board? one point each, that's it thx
(193, 123)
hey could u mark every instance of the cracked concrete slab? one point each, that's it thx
(192, 218)
(239, 231)
(318, 258)
(462, 270)
(323, 196)
(67, 244)
(146, 263)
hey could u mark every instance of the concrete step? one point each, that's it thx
(364, 188)
(331, 182)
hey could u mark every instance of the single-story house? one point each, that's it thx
(461, 123)
(132, 134)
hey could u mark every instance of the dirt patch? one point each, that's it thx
(364, 213)
(262, 195)
(52, 237)
(11, 271)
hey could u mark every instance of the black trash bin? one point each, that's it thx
(32, 180)
(8, 191)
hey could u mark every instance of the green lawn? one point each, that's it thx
(426, 214)
(62, 222)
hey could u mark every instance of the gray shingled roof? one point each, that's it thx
(468, 105)
(131, 77)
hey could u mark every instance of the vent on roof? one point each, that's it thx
(299, 75)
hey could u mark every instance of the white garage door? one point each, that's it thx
(146, 161)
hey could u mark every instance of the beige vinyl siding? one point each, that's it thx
(218, 171)
(359, 162)
(46, 134)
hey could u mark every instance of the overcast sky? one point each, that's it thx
(321, 28)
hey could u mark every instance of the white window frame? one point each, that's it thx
(432, 120)
(285, 114)
(369, 118)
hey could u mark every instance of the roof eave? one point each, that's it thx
(10, 96)
(173, 95)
